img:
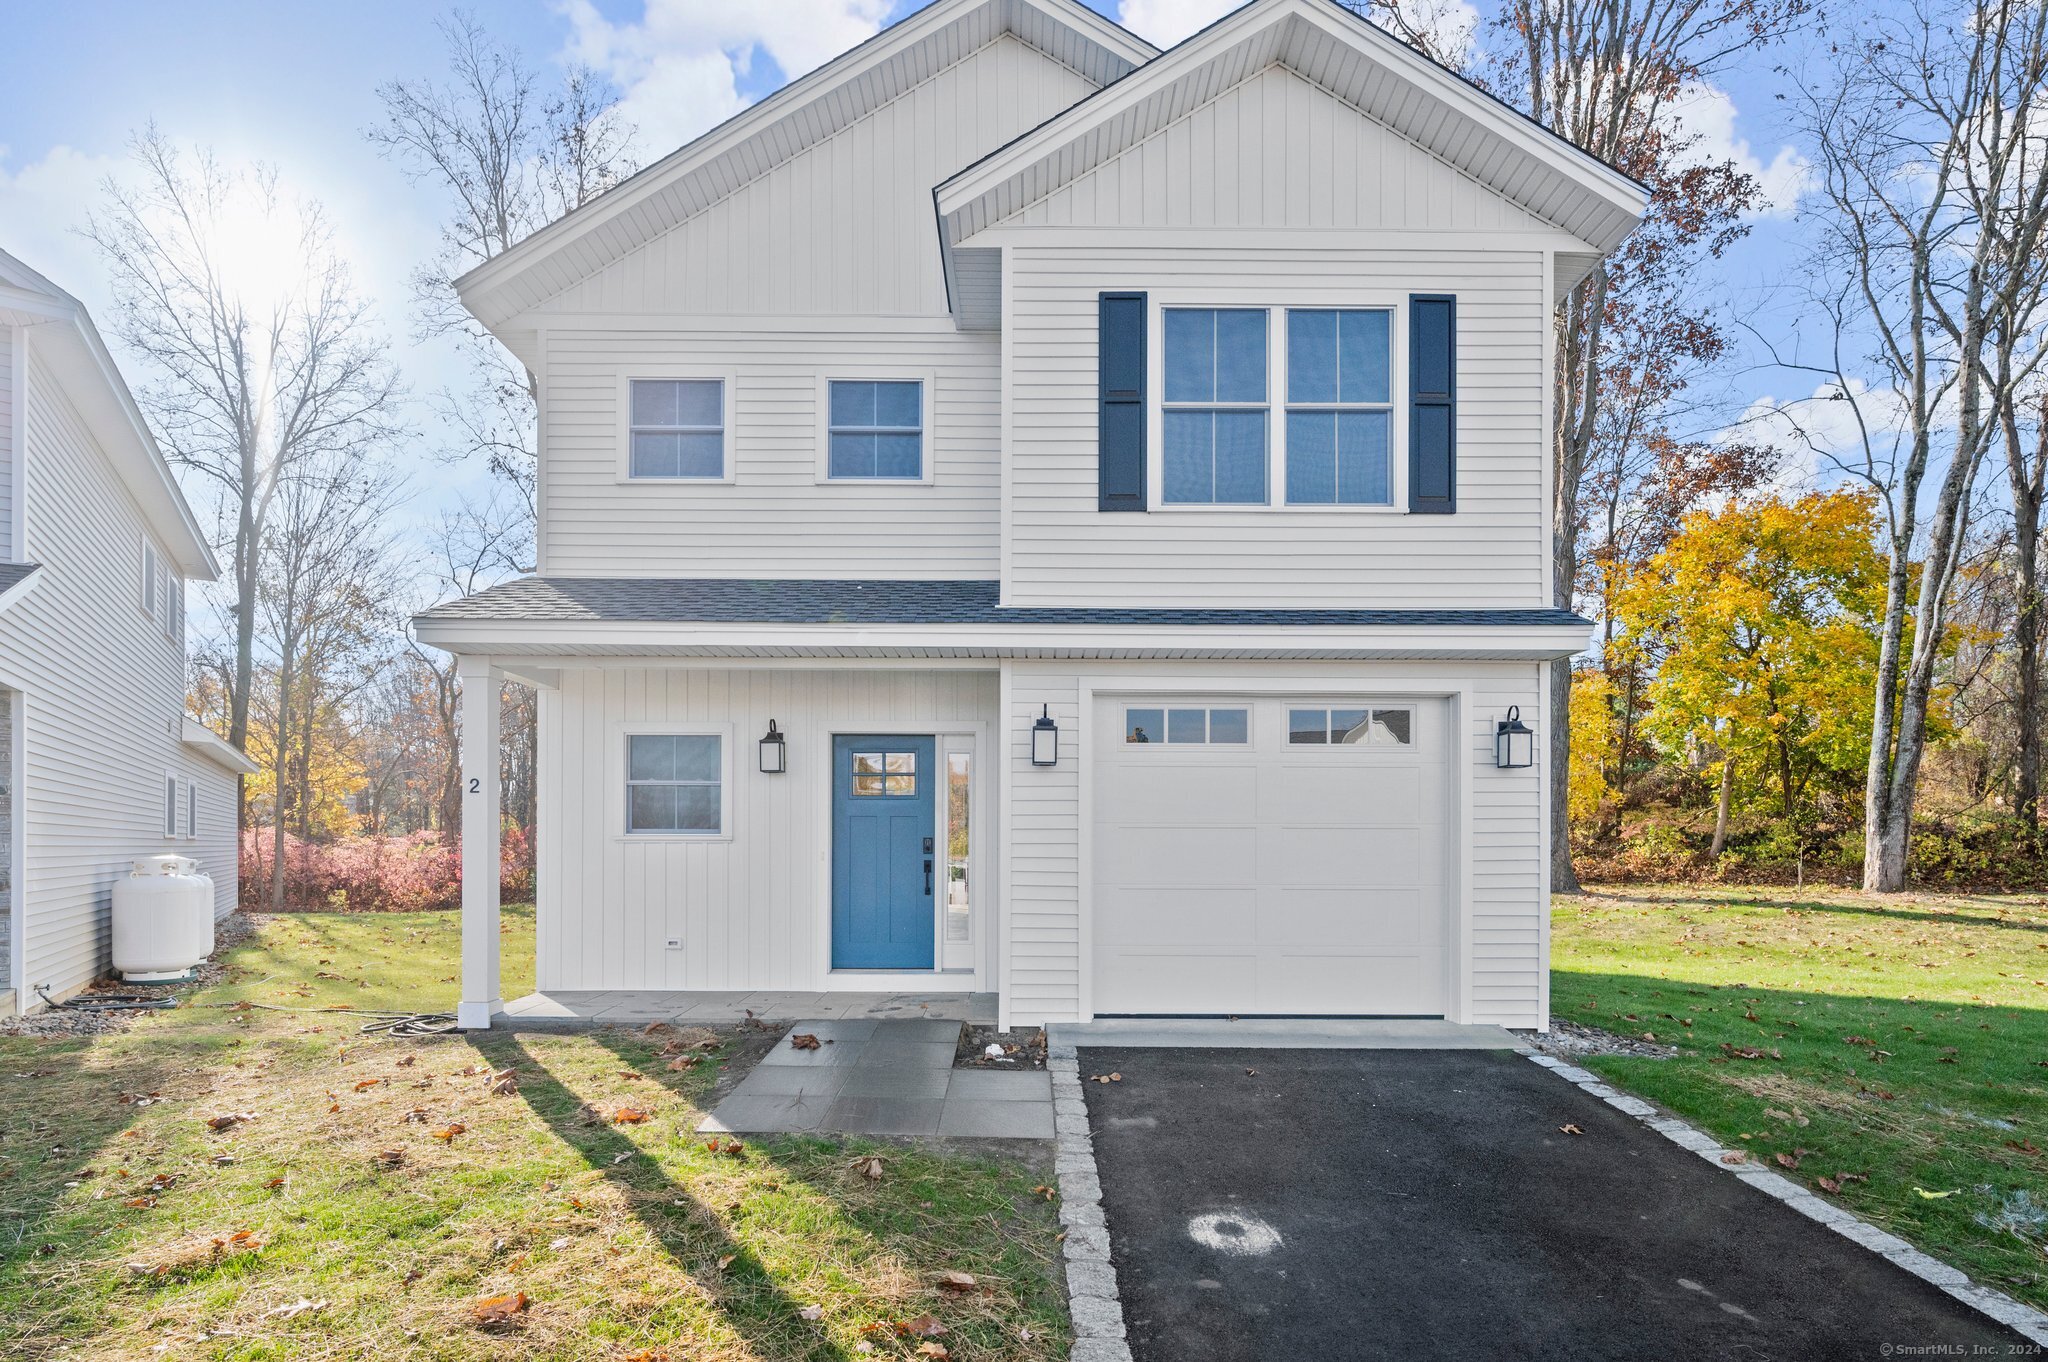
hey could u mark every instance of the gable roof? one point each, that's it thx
(1354, 60)
(94, 383)
(801, 114)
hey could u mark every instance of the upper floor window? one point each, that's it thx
(677, 428)
(1340, 407)
(152, 578)
(875, 428)
(1214, 410)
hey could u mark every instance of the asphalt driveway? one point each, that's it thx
(1406, 1204)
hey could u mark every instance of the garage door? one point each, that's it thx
(1277, 856)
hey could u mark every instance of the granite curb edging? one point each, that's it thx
(1092, 1296)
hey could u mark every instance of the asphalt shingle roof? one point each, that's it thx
(14, 574)
(705, 600)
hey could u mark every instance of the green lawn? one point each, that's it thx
(630, 1240)
(1901, 1041)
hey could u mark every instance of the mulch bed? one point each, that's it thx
(1021, 1049)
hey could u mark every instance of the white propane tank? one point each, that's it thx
(163, 920)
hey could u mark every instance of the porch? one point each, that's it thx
(573, 1009)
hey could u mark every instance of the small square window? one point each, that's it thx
(1230, 726)
(875, 429)
(677, 428)
(1144, 725)
(675, 783)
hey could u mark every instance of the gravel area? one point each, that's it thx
(61, 1021)
(1568, 1039)
(1021, 1050)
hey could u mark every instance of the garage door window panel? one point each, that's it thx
(1185, 726)
(1335, 726)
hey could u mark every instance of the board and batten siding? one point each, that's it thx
(1061, 551)
(844, 226)
(102, 690)
(1276, 150)
(751, 909)
(1500, 964)
(776, 518)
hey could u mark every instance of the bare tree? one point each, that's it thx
(262, 359)
(509, 160)
(2026, 471)
(1928, 136)
(330, 581)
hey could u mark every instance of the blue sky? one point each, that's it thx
(294, 84)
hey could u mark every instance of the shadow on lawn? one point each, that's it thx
(687, 1230)
(1872, 908)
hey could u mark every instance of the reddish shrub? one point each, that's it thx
(376, 874)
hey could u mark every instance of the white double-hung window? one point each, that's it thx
(1340, 407)
(1213, 410)
(676, 428)
(874, 429)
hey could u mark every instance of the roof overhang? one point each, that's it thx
(799, 115)
(62, 333)
(206, 743)
(916, 643)
(17, 580)
(1385, 79)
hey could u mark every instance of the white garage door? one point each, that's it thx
(1277, 856)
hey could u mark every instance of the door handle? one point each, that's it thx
(927, 879)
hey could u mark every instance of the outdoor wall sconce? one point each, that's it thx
(1514, 742)
(774, 752)
(1045, 739)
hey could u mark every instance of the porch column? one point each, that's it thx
(481, 827)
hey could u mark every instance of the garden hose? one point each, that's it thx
(106, 1002)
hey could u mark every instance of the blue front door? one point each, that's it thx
(882, 852)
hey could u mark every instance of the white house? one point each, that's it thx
(1008, 382)
(98, 763)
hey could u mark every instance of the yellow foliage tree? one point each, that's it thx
(1593, 736)
(1760, 620)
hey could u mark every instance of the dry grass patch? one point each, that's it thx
(401, 1198)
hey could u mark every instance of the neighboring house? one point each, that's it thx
(1006, 372)
(99, 764)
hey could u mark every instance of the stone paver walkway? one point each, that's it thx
(881, 1076)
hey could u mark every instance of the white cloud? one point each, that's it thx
(1165, 22)
(679, 67)
(40, 203)
(1709, 113)
(1821, 436)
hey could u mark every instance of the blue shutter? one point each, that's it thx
(1120, 376)
(1432, 403)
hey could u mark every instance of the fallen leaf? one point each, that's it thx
(726, 1261)
(628, 1116)
(937, 1351)
(811, 1312)
(390, 1158)
(140, 1203)
(367, 1084)
(447, 1134)
(1926, 1195)
(273, 1184)
(802, 1040)
(676, 1066)
(301, 1306)
(1735, 1156)
(498, 1311)
(1570, 1129)
(957, 1281)
(869, 1168)
(232, 1118)
(924, 1326)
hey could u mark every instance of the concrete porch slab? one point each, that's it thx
(574, 1009)
(1284, 1033)
(883, 1077)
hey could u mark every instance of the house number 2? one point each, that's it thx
(476, 786)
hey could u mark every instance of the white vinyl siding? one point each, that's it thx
(1501, 978)
(751, 910)
(1275, 150)
(1063, 552)
(102, 693)
(780, 516)
(8, 399)
(844, 227)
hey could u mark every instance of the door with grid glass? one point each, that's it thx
(884, 847)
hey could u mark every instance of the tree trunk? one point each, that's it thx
(280, 768)
(1722, 807)
(2026, 480)
(1563, 879)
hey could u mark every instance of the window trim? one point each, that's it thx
(173, 797)
(191, 818)
(152, 574)
(927, 381)
(617, 810)
(728, 443)
(1276, 303)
